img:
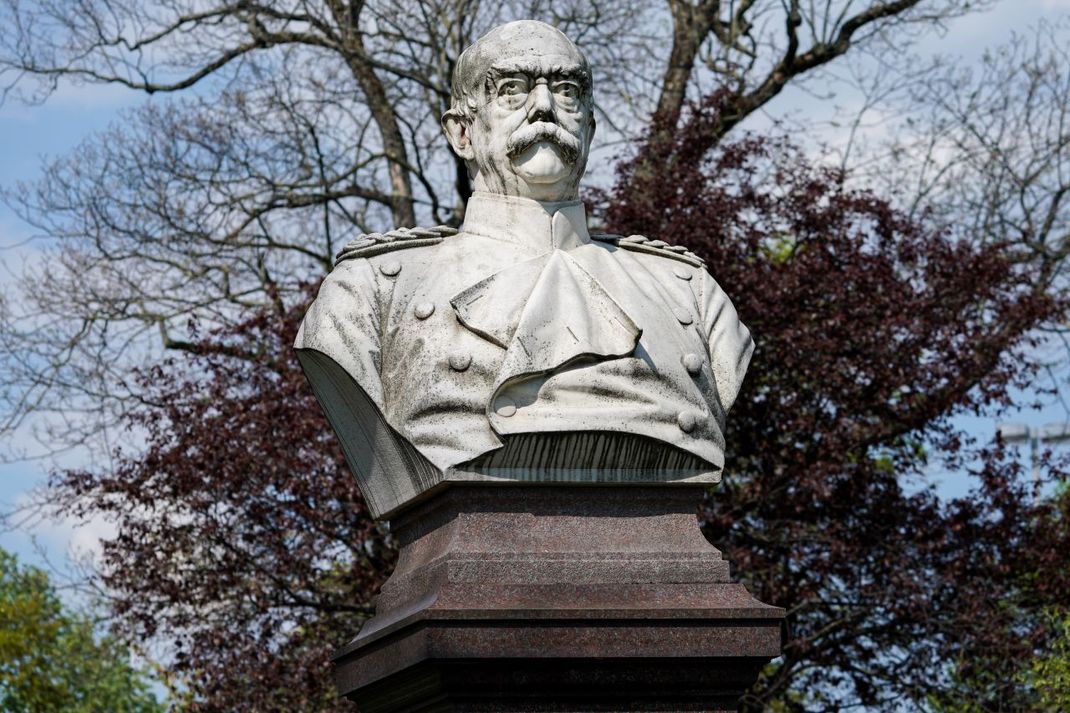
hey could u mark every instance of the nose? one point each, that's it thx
(541, 104)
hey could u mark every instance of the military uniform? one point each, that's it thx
(523, 347)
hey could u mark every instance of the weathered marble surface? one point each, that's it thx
(522, 347)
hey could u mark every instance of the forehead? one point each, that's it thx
(526, 46)
(527, 39)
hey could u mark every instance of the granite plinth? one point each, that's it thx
(563, 598)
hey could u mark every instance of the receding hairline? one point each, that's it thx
(474, 62)
(526, 31)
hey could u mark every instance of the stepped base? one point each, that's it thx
(558, 598)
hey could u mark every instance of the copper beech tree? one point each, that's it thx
(874, 329)
(244, 547)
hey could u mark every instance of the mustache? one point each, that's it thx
(530, 134)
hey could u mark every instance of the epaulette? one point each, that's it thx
(371, 244)
(638, 243)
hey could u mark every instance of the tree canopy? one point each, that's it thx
(53, 659)
(1051, 670)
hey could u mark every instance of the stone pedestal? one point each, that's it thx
(558, 598)
(540, 598)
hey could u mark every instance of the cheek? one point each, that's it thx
(575, 122)
(500, 124)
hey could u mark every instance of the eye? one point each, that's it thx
(512, 92)
(512, 87)
(570, 90)
(567, 93)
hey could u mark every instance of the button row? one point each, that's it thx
(688, 421)
(692, 362)
(423, 310)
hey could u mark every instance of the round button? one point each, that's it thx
(505, 407)
(460, 362)
(692, 362)
(682, 272)
(423, 310)
(390, 268)
(683, 316)
(687, 421)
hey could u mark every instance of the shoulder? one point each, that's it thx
(373, 244)
(644, 245)
(374, 265)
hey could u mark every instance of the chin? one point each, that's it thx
(542, 164)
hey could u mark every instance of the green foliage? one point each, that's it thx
(52, 660)
(1051, 672)
(1013, 670)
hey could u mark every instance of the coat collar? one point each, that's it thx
(539, 227)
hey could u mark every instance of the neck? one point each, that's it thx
(535, 226)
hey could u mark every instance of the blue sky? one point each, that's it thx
(29, 134)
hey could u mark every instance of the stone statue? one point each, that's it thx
(522, 347)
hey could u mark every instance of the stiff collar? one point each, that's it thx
(540, 227)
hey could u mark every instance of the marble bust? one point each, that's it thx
(522, 347)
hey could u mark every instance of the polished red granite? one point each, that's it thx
(558, 598)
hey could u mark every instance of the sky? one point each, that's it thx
(30, 134)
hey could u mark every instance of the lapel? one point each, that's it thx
(544, 311)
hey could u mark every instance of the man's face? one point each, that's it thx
(531, 135)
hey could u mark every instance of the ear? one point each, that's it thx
(456, 128)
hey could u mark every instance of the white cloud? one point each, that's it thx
(62, 537)
(69, 98)
(94, 96)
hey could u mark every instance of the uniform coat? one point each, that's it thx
(522, 348)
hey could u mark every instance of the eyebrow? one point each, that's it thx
(521, 66)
